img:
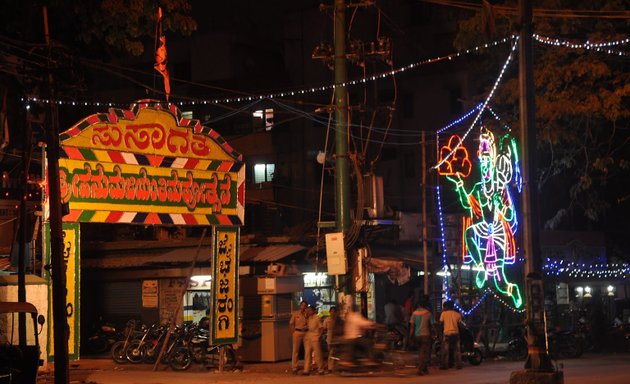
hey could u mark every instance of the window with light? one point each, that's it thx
(263, 172)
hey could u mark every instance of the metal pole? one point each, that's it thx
(60, 319)
(424, 214)
(342, 172)
(23, 228)
(538, 359)
(341, 116)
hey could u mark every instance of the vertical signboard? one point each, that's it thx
(225, 285)
(70, 239)
(149, 294)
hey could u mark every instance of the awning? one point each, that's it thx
(269, 253)
(397, 271)
(185, 255)
(28, 279)
(410, 255)
(396, 261)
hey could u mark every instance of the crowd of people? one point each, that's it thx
(344, 337)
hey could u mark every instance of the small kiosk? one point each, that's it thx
(267, 304)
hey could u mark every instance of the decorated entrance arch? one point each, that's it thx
(149, 165)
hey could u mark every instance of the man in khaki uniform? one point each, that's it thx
(299, 326)
(312, 344)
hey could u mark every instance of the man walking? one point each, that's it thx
(421, 325)
(450, 320)
(298, 327)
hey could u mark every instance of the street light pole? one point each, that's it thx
(424, 215)
(538, 367)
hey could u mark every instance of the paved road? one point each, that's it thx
(590, 369)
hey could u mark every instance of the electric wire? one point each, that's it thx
(537, 12)
(321, 186)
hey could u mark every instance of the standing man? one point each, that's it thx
(450, 320)
(298, 327)
(396, 323)
(333, 326)
(312, 344)
(393, 314)
(421, 326)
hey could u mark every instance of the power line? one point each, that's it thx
(538, 12)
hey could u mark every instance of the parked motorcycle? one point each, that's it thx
(517, 347)
(195, 347)
(617, 338)
(564, 345)
(470, 349)
(583, 333)
(398, 334)
(119, 348)
(145, 349)
(104, 337)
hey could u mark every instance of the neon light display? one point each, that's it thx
(490, 227)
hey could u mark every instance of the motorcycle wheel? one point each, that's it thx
(150, 353)
(118, 352)
(476, 357)
(570, 350)
(229, 359)
(518, 352)
(98, 344)
(180, 360)
(134, 352)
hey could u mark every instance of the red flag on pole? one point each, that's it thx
(161, 56)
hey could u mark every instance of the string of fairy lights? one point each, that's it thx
(477, 112)
(573, 269)
(598, 47)
(551, 267)
(604, 47)
(481, 108)
(487, 292)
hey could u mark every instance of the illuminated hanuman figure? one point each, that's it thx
(492, 222)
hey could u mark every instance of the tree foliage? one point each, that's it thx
(582, 108)
(124, 24)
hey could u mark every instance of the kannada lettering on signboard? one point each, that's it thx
(71, 256)
(88, 182)
(150, 165)
(225, 285)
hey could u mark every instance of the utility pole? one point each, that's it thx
(538, 367)
(23, 228)
(424, 214)
(58, 268)
(342, 172)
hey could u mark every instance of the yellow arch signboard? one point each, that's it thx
(150, 165)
